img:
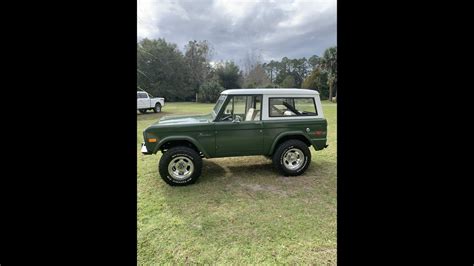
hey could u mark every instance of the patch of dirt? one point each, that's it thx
(265, 188)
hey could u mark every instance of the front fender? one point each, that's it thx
(185, 138)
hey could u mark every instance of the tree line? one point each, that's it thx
(165, 71)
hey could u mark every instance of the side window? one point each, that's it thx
(141, 95)
(253, 108)
(228, 109)
(282, 107)
(243, 108)
(306, 106)
(240, 103)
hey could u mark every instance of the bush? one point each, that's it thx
(209, 92)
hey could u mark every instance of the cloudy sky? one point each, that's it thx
(272, 28)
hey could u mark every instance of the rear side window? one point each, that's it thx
(301, 106)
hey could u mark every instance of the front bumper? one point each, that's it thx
(144, 150)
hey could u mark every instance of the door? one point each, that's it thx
(238, 127)
(142, 100)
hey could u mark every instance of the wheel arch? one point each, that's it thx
(186, 141)
(298, 135)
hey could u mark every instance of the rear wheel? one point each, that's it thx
(180, 166)
(292, 158)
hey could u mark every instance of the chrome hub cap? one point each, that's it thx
(293, 159)
(181, 167)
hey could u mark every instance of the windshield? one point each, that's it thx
(218, 105)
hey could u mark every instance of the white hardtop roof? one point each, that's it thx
(293, 91)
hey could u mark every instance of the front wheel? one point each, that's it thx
(292, 158)
(142, 111)
(180, 166)
(157, 108)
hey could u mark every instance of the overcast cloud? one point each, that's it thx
(275, 29)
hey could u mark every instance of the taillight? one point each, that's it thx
(319, 133)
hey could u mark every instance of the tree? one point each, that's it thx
(288, 82)
(314, 62)
(271, 69)
(299, 70)
(252, 58)
(317, 80)
(209, 91)
(256, 77)
(197, 56)
(282, 70)
(228, 75)
(329, 64)
(162, 71)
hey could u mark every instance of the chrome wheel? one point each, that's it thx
(293, 159)
(181, 167)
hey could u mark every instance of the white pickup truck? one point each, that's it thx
(144, 102)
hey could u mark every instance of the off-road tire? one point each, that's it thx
(142, 111)
(189, 155)
(279, 160)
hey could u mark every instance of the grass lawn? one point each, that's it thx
(241, 211)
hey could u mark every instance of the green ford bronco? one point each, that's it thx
(278, 123)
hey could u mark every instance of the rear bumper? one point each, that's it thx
(319, 144)
(144, 150)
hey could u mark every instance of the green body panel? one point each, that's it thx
(198, 130)
(225, 139)
(274, 130)
(238, 139)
